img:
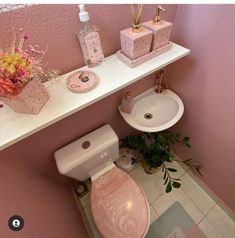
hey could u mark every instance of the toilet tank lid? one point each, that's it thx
(86, 147)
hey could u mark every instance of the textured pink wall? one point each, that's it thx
(54, 26)
(29, 182)
(205, 82)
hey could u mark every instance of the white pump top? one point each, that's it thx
(83, 14)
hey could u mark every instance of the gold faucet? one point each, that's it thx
(159, 86)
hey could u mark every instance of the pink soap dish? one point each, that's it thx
(142, 59)
(81, 81)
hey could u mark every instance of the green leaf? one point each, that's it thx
(168, 187)
(186, 139)
(164, 177)
(176, 184)
(187, 160)
(177, 136)
(172, 170)
(166, 180)
(175, 179)
(198, 169)
(187, 144)
(167, 158)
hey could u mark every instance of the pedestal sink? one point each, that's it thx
(153, 111)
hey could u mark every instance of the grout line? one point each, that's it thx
(157, 198)
(183, 174)
(155, 211)
(211, 209)
(205, 213)
(194, 204)
(164, 189)
(210, 221)
(227, 210)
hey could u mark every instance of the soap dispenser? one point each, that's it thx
(161, 30)
(89, 40)
(127, 103)
(136, 40)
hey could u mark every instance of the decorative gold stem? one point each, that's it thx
(136, 27)
(132, 13)
(140, 8)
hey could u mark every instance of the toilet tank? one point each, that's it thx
(86, 156)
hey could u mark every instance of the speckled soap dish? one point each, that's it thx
(142, 59)
(82, 81)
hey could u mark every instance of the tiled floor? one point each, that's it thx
(211, 219)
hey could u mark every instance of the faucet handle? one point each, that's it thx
(160, 74)
(159, 86)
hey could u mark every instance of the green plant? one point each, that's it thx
(156, 151)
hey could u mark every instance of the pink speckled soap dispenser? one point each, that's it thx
(127, 103)
(135, 41)
(161, 30)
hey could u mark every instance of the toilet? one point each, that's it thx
(119, 206)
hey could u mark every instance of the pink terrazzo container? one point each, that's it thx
(135, 45)
(161, 32)
(30, 100)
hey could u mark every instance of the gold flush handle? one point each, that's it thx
(158, 18)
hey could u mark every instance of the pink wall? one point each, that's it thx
(54, 26)
(205, 82)
(29, 182)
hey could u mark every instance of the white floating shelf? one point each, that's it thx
(114, 75)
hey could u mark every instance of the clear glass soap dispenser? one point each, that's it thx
(89, 40)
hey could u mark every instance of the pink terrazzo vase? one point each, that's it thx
(135, 44)
(161, 33)
(30, 100)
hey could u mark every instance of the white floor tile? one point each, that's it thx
(168, 199)
(152, 184)
(223, 223)
(208, 229)
(196, 193)
(153, 215)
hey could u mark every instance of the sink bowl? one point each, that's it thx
(153, 111)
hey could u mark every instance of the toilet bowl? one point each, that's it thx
(119, 206)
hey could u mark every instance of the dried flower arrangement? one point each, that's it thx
(19, 64)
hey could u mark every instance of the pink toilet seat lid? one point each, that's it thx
(119, 206)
